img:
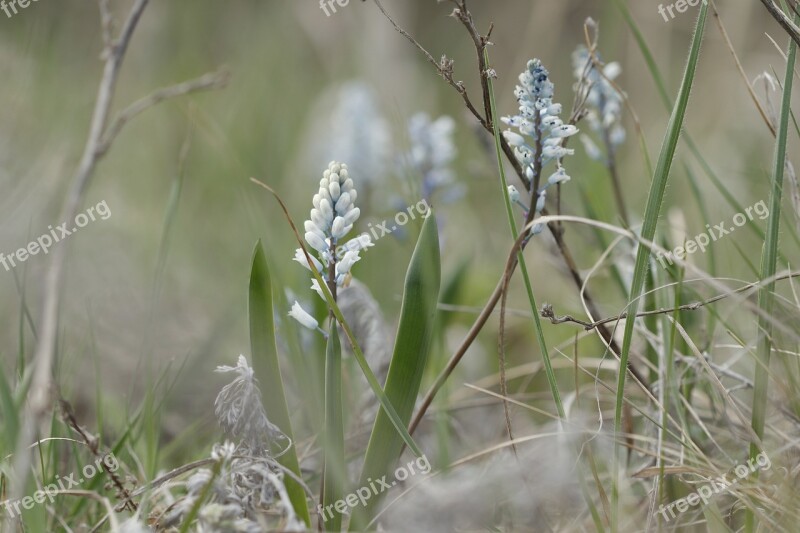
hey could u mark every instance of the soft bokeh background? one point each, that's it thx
(124, 323)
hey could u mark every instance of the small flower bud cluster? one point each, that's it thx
(432, 154)
(331, 218)
(602, 100)
(538, 121)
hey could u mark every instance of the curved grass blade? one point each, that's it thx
(411, 350)
(651, 215)
(267, 369)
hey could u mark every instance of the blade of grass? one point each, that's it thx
(267, 369)
(769, 259)
(414, 339)
(651, 215)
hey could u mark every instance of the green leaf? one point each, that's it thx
(411, 350)
(335, 473)
(651, 215)
(267, 370)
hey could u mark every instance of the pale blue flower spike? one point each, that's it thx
(535, 97)
(604, 104)
(330, 220)
(433, 151)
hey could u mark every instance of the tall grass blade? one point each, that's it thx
(769, 259)
(651, 215)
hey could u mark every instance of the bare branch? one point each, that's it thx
(207, 82)
(786, 23)
(547, 310)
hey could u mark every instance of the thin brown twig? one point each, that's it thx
(207, 82)
(739, 67)
(548, 312)
(786, 23)
(445, 69)
(93, 443)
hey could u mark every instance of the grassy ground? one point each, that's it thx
(534, 427)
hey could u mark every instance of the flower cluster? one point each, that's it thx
(432, 154)
(331, 218)
(541, 132)
(353, 129)
(603, 101)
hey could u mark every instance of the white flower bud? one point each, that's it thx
(351, 216)
(315, 286)
(300, 257)
(305, 319)
(313, 228)
(316, 242)
(559, 176)
(513, 194)
(337, 228)
(514, 139)
(540, 201)
(343, 203)
(324, 194)
(326, 210)
(566, 130)
(318, 220)
(347, 262)
(334, 190)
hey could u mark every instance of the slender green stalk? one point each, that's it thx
(769, 259)
(334, 475)
(651, 215)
